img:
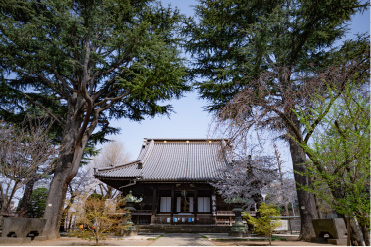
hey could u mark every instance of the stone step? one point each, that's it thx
(183, 228)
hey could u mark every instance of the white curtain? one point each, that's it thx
(203, 204)
(165, 204)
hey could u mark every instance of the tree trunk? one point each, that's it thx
(65, 211)
(70, 222)
(66, 169)
(54, 205)
(286, 206)
(25, 201)
(366, 232)
(354, 236)
(306, 200)
(359, 232)
(318, 207)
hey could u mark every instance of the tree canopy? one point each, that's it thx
(236, 41)
(340, 156)
(83, 63)
(256, 60)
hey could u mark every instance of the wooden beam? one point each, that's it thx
(195, 204)
(172, 205)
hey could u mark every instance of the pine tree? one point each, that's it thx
(263, 51)
(83, 63)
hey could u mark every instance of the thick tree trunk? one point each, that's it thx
(54, 205)
(306, 200)
(66, 169)
(57, 193)
(25, 201)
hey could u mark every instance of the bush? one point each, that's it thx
(98, 220)
(265, 224)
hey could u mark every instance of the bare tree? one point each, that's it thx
(274, 100)
(112, 154)
(282, 192)
(82, 184)
(246, 178)
(26, 155)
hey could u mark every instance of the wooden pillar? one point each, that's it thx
(195, 204)
(154, 202)
(172, 205)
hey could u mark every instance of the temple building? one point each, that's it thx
(173, 177)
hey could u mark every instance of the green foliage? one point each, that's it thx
(38, 203)
(236, 41)
(265, 224)
(83, 63)
(340, 153)
(121, 53)
(261, 61)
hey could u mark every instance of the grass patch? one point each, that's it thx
(205, 237)
(274, 238)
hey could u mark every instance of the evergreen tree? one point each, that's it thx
(83, 63)
(264, 52)
(37, 203)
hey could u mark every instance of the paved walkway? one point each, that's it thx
(182, 239)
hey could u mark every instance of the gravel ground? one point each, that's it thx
(266, 243)
(170, 239)
(182, 239)
(140, 240)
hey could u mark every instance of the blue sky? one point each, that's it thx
(189, 119)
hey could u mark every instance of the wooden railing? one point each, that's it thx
(225, 218)
(142, 212)
(224, 213)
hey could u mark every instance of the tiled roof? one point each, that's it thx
(173, 160)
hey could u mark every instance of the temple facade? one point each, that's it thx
(173, 177)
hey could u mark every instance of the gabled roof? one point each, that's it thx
(172, 160)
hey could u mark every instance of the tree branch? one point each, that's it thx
(43, 107)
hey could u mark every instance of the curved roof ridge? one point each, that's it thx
(180, 160)
(118, 166)
(187, 139)
(149, 151)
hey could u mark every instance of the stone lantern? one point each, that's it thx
(238, 228)
(130, 201)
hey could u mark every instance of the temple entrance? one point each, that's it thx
(184, 201)
(184, 207)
